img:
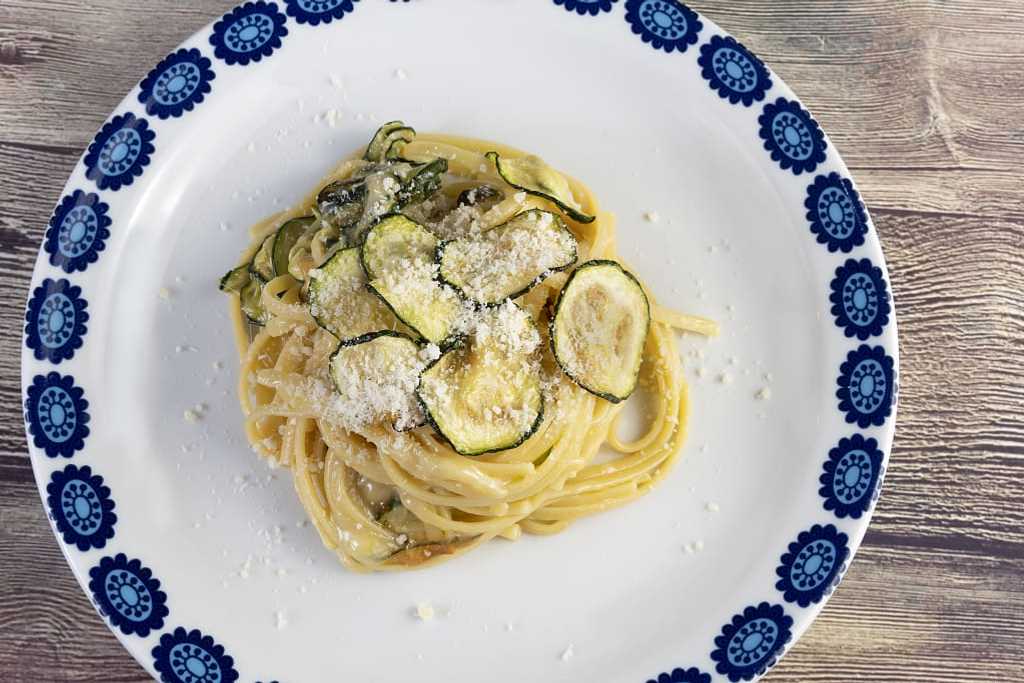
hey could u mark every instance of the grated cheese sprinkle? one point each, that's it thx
(507, 259)
(375, 384)
(425, 611)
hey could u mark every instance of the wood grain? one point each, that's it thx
(923, 98)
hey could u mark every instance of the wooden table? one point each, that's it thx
(925, 101)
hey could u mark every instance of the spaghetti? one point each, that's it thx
(383, 499)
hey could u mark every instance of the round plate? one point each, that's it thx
(198, 556)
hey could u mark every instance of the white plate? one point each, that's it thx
(719, 569)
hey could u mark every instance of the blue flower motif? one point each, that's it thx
(751, 643)
(583, 7)
(792, 136)
(126, 593)
(860, 299)
(191, 657)
(314, 12)
(120, 152)
(249, 33)
(55, 320)
(57, 415)
(813, 566)
(77, 232)
(666, 24)
(866, 386)
(851, 477)
(81, 507)
(177, 84)
(734, 71)
(836, 213)
(691, 675)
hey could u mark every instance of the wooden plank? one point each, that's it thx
(955, 474)
(952, 192)
(915, 615)
(52, 632)
(922, 82)
(68, 64)
(30, 186)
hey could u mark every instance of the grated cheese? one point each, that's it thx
(508, 327)
(425, 611)
(462, 221)
(430, 352)
(372, 387)
(509, 258)
(694, 547)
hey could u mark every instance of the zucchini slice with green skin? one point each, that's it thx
(376, 377)
(398, 143)
(263, 260)
(340, 302)
(382, 192)
(531, 175)
(486, 395)
(249, 288)
(423, 182)
(483, 197)
(235, 279)
(599, 329)
(356, 204)
(383, 139)
(286, 237)
(383, 189)
(252, 302)
(341, 203)
(398, 256)
(508, 260)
